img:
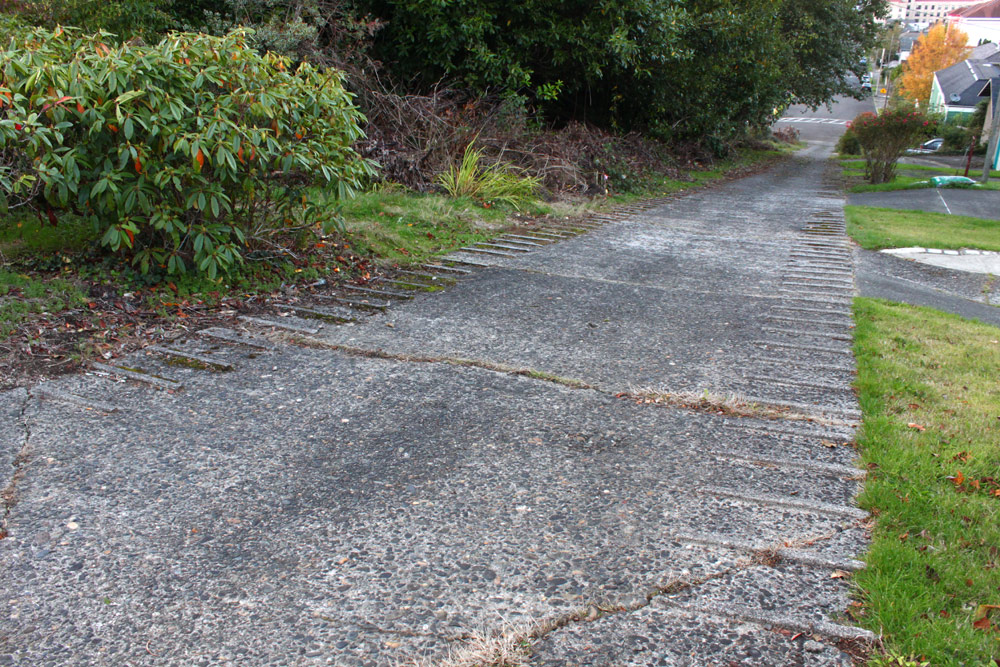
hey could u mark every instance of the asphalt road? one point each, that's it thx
(978, 204)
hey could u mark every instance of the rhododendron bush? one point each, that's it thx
(181, 154)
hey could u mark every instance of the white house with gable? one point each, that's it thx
(981, 22)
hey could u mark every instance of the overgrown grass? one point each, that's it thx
(24, 297)
(658, 186)
(496, 183)
(876, 228)
(908, 177)
(23, 234)
(400, 226)
(931, 171)
(928, 388)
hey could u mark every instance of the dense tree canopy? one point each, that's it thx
(687, 66)
(826, 40)
(673, 68)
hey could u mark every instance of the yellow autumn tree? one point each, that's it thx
(941, 47)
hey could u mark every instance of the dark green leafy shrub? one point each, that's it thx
(848, 143)
(124, 19)
(884, 138)
(691, 69)
(956, 137)
(183, 152)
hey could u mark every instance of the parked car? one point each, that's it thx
(929, 146)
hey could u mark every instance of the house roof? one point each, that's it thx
(962, 83)
(988, 51)
(907, 40)
(984, 10)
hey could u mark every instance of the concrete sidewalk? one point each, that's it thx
(498, 457)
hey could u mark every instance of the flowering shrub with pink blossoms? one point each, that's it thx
(885, 137)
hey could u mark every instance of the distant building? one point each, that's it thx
(926, 11)
(956, 90)
(906, 42)
(981, 21)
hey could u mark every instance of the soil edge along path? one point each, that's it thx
(621, 442)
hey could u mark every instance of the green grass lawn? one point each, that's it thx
(912, 183)
(859, 165)
(928, 387)
(909, 176)
(22, 234)
(24, 297)
(876, 228)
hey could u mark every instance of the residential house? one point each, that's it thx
(907, 40)
(955, 90)
(981, 22)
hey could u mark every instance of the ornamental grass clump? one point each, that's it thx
(182, 154)
(494, 183)
(884, 138)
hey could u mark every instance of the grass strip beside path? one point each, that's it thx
(928, 387)
(876, 228)
(974, 173)
(912, 183)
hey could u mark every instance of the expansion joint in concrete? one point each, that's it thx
(512, 645)
(311, 342)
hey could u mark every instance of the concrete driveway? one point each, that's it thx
(624, 441)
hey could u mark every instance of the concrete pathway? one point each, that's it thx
(380, 478)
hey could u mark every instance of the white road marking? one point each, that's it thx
(811, 119)
(944, 202)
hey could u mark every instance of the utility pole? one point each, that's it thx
(991, 147)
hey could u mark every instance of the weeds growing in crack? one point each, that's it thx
(768, 557)
(315, 343)
(730, 405)
(508, 646)
(511, 645)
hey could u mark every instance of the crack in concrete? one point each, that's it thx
(627, 283)
(512, 645)
(729, 405)
(8, 497)
(308, 341)
(694, 401)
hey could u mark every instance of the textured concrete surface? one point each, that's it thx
(381, 491)
(12, 433)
